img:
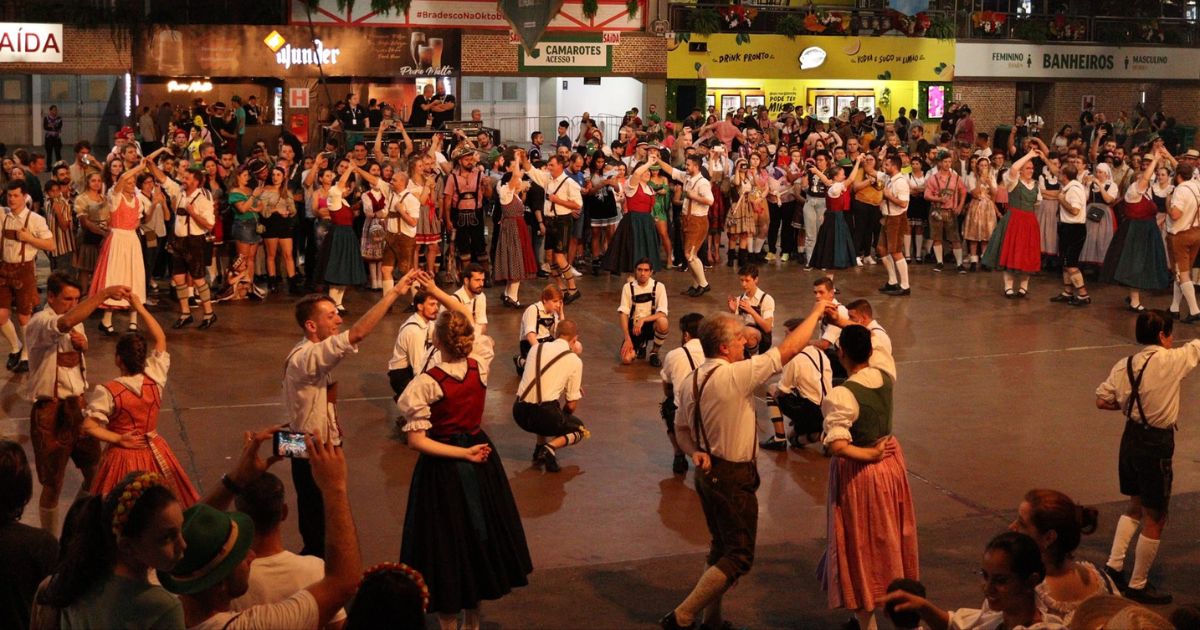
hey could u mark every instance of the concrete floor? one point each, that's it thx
(994, 397)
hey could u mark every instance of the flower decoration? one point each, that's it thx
(990, 22)
(1064, 29)
(738, 16)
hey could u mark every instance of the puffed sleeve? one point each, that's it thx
(99, 404)
(483, 352)
(415, 402)
(157, 366)
(841, 410)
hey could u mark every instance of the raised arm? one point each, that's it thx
(376, 313)
(84, 309)
(799, 336)
(158, 338)
(1014, 171)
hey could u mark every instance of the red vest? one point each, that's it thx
(1144, 209)
(840, 203)
(132, 409)
(460, 409)
(640, 201)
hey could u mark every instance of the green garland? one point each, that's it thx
(382, 6)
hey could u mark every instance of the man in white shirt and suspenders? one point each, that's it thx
(555, 373)
(642, 315)
(413, 353)
(538, 323)
(564, 202)
(697, 197)
(24, 233)
(471, 294)
(1144, 387)
(677, 365)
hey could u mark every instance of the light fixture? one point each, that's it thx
(128, 95)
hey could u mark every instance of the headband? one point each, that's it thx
(408, 572)
(129, 497)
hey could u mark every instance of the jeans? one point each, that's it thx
(776, 221)
(310, 507)
(814, 215)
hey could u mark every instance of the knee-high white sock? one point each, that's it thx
(1195, 275)
(958, 255)
(1126, 528)
(10, 335)
(1189, 294)
(1135, 298)
(1143, 557)
(902, 271)
(908, 246)
(107, 318)
(920, 250)
(512, 290)
(337, 293)
(1008, 281)
(938, 252)
(697, 269)
(1176, 295)
(890, 265)
(388, 282)
(133, 318)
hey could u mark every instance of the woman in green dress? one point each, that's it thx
(661, 185)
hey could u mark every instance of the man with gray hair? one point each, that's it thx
(715, 425)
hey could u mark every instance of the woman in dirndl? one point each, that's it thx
(834, 248)
(371, 243)
(515, 260)
(1015, 246)
(982, 213)
(1162, 188)
(124, 414)
(93, 211)
(635, 237)
(918, 213)
(1136, 259)
(718, 166)
(1103, 194)
(871, 523)
(600, 208)
(741, 224)
(344, 265)
(1047, 209)
(462, 530)
(120, 262)
(429, 224)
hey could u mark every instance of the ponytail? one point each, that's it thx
(89, 554)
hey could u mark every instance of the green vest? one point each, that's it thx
(874, 411)
(1022, 198)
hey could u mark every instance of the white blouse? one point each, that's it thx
(100, 402)
(414, 404)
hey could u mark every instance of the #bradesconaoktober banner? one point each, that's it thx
(814, 57)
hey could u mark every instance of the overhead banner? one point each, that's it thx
(1048, 61)
(294, 51)
(611, 15)
(816, 57)
(584, 53)
(529, 19)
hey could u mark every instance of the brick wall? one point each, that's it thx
(85, 51)
(992, 103)
(490, 54)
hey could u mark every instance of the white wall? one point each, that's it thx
(614, 95)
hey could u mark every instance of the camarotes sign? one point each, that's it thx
(818, 57)
(1075, 62)
(31, 43)
(583, 53)
(292, 51)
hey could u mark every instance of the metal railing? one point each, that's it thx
(963, 22)
(517, 129)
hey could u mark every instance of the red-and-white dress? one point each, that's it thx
(462, 530)
(130, 404)
(120, 259)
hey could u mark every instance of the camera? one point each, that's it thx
(290, 444)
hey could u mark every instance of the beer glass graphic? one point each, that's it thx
(438, 46)
(418, 40)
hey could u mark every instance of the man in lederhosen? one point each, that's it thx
(1144, 387)
(413, 352)
(717, 402)
(798, 396)
(24, 233)
(538, 322)
(756, 308)
(466, 188)
(555, 372)
(677, 365)
(564, 203)
(56, 385)
(697, 197)
(189, 246)
(642, 315)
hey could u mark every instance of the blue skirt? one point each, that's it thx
(834, 248)
(1141, 262)
(634, 240)
(345, 264)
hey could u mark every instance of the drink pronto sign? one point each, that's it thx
(816, 57)
(1040, 61)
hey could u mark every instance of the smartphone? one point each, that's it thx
(290, 444)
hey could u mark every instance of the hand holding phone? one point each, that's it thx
(290, 444)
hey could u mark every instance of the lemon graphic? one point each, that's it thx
(853, 47)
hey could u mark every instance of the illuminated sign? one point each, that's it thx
(194, 86)
(287, 55)
(812, 57)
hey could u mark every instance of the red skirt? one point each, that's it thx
(872, 531)
(116, 462)
(1021, 249)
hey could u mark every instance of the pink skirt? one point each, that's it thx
(872, 531)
